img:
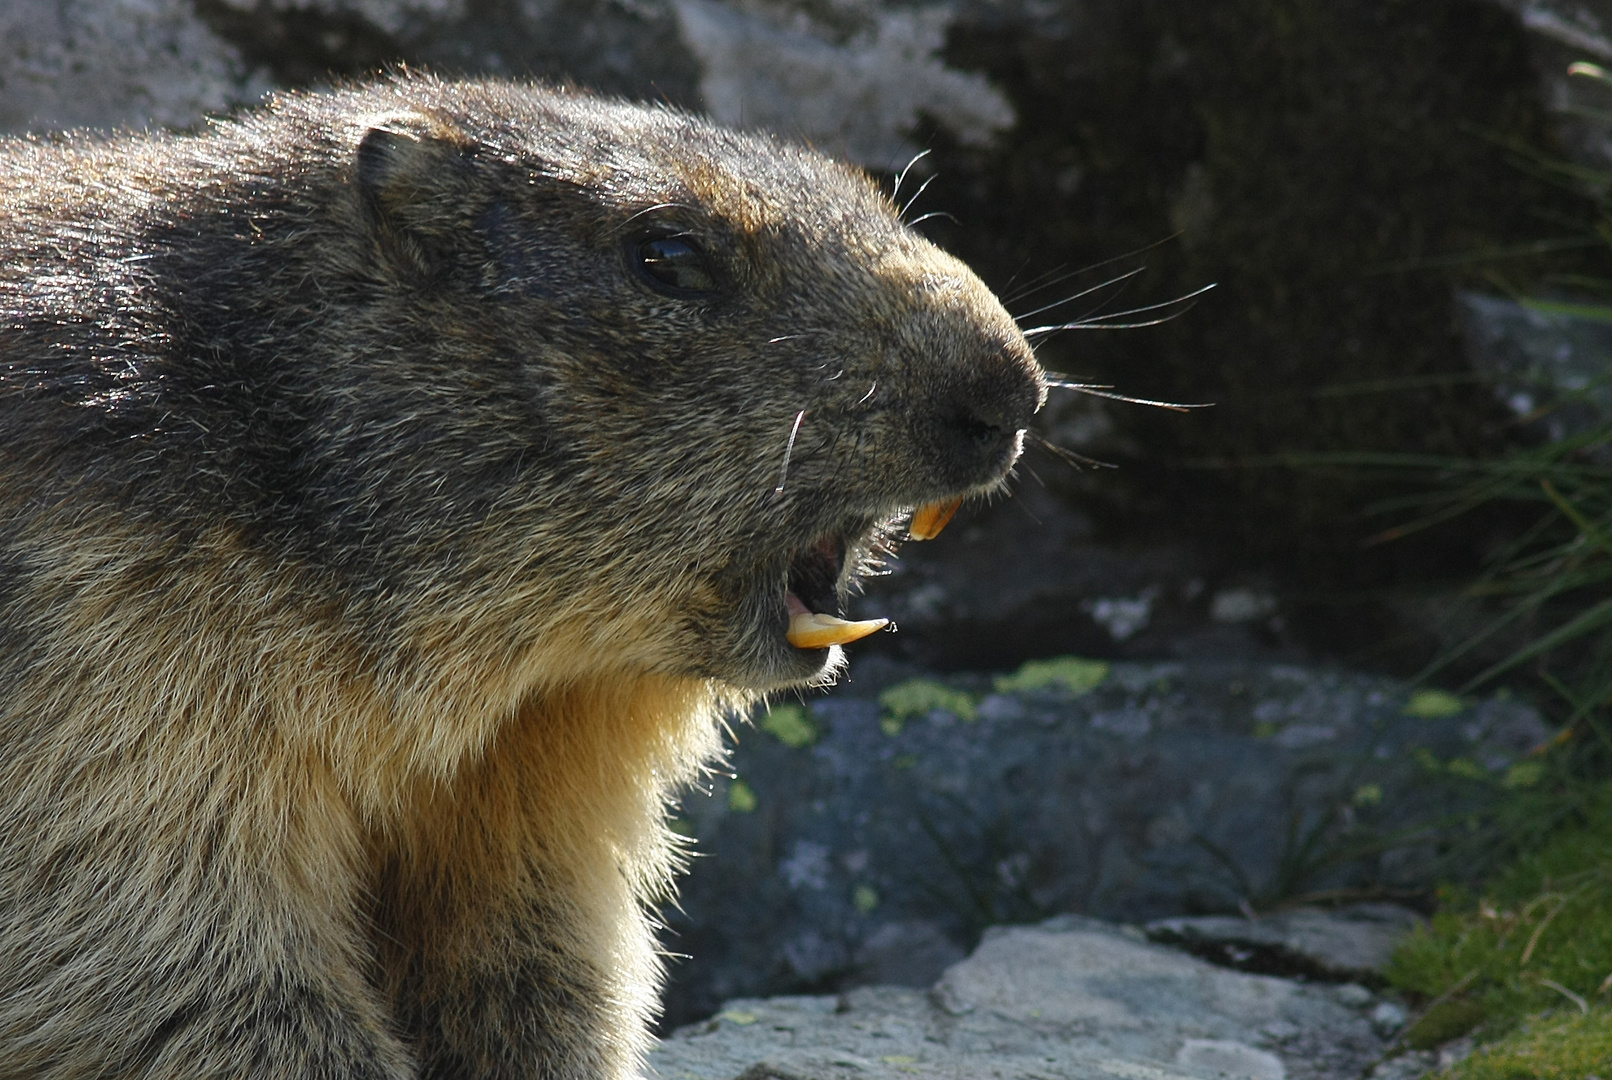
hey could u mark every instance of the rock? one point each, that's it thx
(1070, 998)
(389, 16)
(1542, 358)
(853, 79)
(1388, 1017)
(1354, 942)
(875, 833)
(126, 63)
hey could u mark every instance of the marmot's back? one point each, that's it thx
(395, 485)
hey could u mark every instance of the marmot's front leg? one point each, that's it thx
(503, 1002)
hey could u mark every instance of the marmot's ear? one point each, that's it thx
(402, 166)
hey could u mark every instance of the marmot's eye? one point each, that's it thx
(670, 262)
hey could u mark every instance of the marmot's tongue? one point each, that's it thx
(811, 630)
(927, 521)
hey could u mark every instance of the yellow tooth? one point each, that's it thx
(927, 521)
(810, 630)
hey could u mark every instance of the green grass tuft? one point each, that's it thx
(1570, 1046)
(1538, 938)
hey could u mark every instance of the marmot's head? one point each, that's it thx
(674, 380)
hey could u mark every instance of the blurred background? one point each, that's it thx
(1336, 638)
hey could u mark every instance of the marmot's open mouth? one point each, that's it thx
(815, 572)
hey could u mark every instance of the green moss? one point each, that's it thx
(1368, 795)
(1563, 1047)
(1524, 774)
(790, 725)
(741, 800)
(918, 697)
(1070, 673)
(1433, 704)
(1540, 937)
(1445, 1021)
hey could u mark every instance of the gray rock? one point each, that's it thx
(851, 78)
(1542, 356)
(389, 16)
(1388, 1017)
(1027, 577)
(122, 64)
(1354, 942)
(1071, 998)
(852, 839)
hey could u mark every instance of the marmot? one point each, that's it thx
(398, 485)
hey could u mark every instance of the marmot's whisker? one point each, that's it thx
(1101, 322)
(895, 192)
(1104, 390)
(789, 448)
(1083, 292)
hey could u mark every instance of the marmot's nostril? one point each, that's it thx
(978, 429)
(993, 412)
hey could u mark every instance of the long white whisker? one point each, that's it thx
(919, 156)
(789, 448)
(917, 195)
(1101, 322)
(1035, 285)
(1083, 292)
(1106, 325)
(1071, 457)
(1096, 390)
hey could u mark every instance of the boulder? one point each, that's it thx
(1070, 998)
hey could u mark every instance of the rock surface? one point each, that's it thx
(1348, 944)
(124, 63)
(1070, 998)
(1547, 361)
(873, 835)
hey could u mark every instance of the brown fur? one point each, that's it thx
(380, 550)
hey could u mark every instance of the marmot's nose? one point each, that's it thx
(985, 409)
(998, 404)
